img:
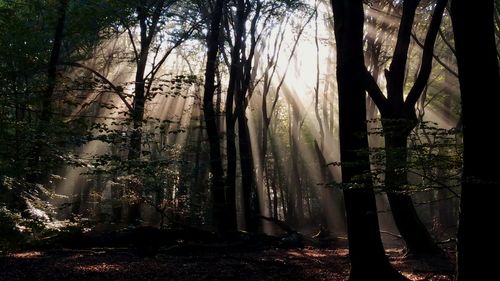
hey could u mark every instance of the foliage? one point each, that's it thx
(434, 158)
(26, 217)
(91, 127)
(10, 235)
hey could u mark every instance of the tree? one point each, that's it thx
(238, 91)
(242, 48)
(368, 259)
(224, 215)
(476, 52)
(142, 22)
(399, 119)
(46, 98)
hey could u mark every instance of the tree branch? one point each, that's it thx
(131, 37)
(116, 89)
(426, 66)
(157, 67)
(374, 92)
(395, 74)
(441, 62)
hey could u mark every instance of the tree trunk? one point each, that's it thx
(35, 174)
(251, 204)
(292, 182)
(234, 87)
(399, 118)
(224, 217)
(276, 181)
(368, 259)
(295, 159)
(137, 112)
(418, 240)
(148, 28)
(476, 52)
(54, 58)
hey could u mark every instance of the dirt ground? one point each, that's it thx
(272, 264)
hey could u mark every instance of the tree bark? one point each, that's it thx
(418, 240)
(234, 87)
(35, 173)
(368, 259)
(224, 217)
(147, 33)
(476, 52)
(236, 103)
(54, 59)
(399, 119)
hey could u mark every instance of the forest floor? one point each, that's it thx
(272, 264)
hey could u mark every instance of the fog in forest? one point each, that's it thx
(234, 117)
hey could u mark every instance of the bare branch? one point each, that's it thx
(438, 60)
(116, 89)
(374, 92)
(426, 66)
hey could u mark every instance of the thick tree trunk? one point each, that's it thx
(476, 52)
(418, 240)
(368, 259)
(399, 118)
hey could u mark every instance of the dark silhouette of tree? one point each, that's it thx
(399, 119)
(244, 23)
(476, 53)
(224, 214)
(368, 259)
(39, 156)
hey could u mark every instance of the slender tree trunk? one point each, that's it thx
(250, 195)
(137, 112)
(292, 182)
(476, 52)
(148, 28)
(317, 86)
(200, 174)
(234, 88)
(295, 159)
(224, 214)
(243, 79)
(54, 58)
(262, 170)
(368, 259)
(276, 186)
(326, 192)
(272, 184)
(35, 173)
